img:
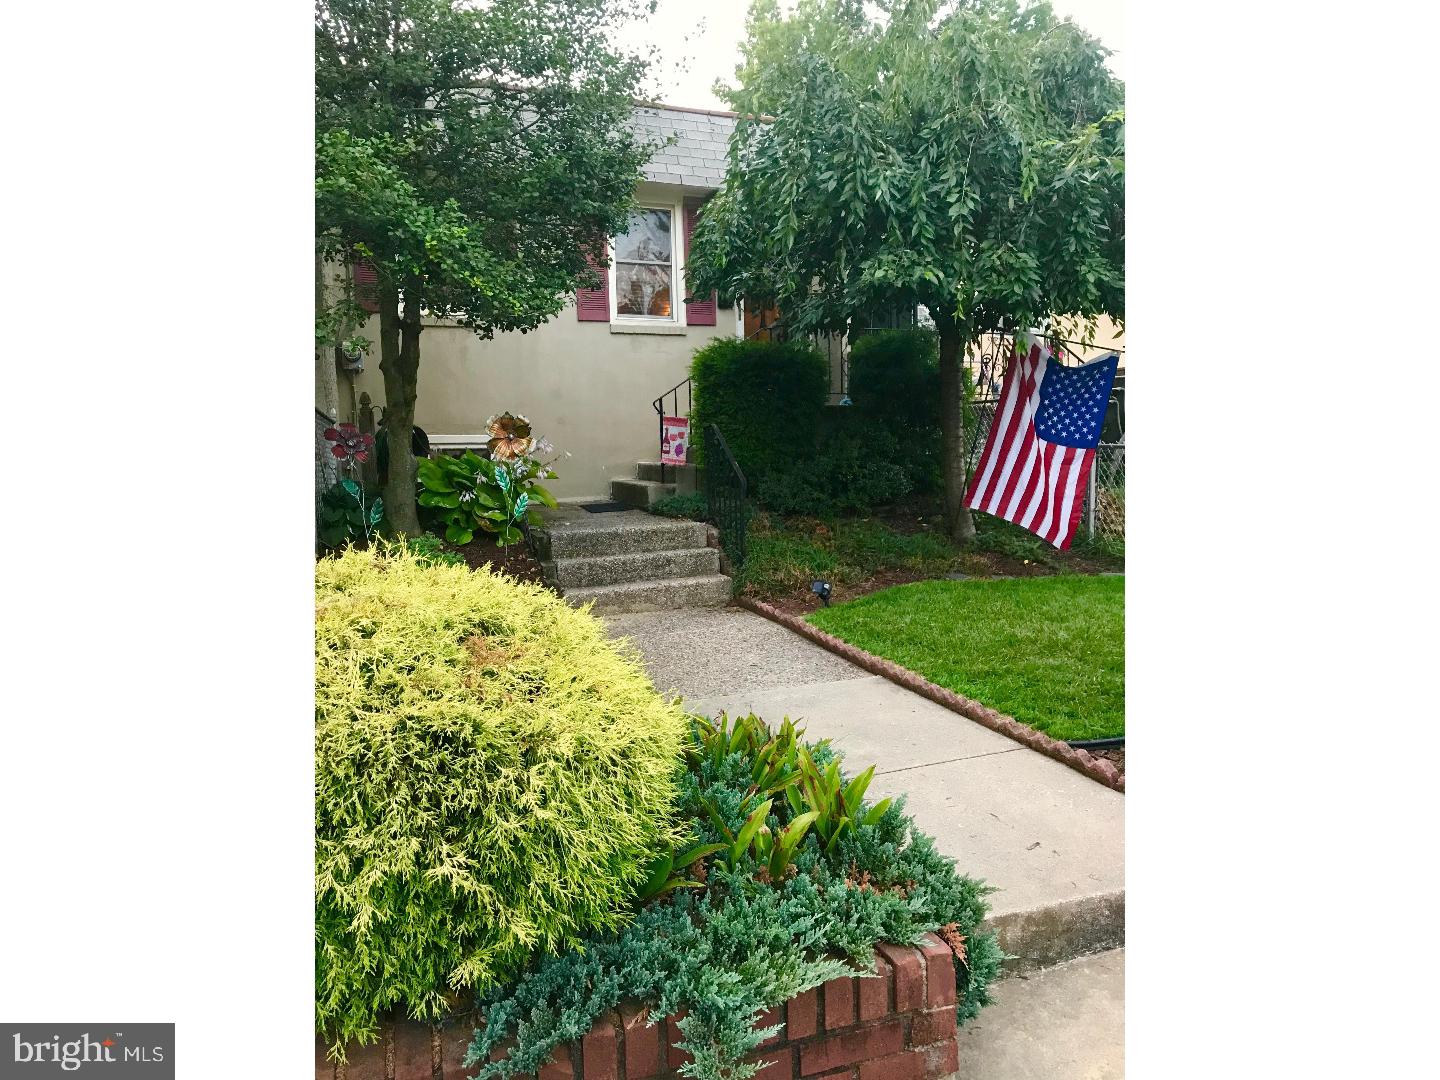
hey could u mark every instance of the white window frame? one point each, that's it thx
(677, 265)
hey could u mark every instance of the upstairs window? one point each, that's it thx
(645, 267)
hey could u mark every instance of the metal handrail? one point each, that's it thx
(726, 496)
(659, 406)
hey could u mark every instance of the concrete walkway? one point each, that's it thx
(1064, 1023)
(1049, 839)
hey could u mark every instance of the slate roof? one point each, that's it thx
(697, 157)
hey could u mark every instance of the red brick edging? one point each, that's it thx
(1079, 760)
(897, 1026)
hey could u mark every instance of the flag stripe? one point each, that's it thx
(1072, 521)
(1020, 448)
(1009, 394)
(1021, 419)
(1064, 495)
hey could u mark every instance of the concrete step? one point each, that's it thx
(634, 566)
(686, 478)
(639, 493)
(575, 534)
(705, 590)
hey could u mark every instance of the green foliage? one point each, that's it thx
(895, 384)
(786, 556)
(764, 396)
(1006, 538)
(834, 805)
(740, 939)
(1049, 651)
(493, 777)
(858, 464)
(692, 506)
(428, 550)
(966, 157)
(475, 154)
(346, 516)
(469, 494)
(895, 378)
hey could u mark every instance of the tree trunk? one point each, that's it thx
(400, 364)
(327, 386)
(958, 522)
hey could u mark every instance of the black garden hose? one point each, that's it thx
(1097, 744)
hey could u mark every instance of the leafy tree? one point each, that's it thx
(477, 156)
(967, 156)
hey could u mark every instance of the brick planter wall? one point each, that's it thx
(897, 1026)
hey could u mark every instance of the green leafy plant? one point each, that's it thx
(493, 777)
(428, 549)
(691, 505)
(346, 516)
(833, 805)
(894, 382)
(470, 494)
(665, 872)
(773, 914)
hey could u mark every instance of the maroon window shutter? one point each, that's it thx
(697, 312)
(593, 305)
(367, 283)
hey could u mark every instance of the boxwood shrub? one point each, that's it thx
(764, 396)
(492, 779)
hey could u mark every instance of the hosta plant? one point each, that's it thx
(470, 494)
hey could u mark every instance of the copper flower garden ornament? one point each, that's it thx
(510, 437)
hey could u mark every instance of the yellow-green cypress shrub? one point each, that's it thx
(492, 776)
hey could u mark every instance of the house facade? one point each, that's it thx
(586, 378)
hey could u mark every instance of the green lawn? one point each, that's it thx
(1049, 651)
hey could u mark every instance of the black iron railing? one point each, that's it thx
(673, 396)
(726, 497)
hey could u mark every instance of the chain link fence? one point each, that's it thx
(1105, 504)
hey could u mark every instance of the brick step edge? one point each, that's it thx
(897, 1025)
(1082, 761)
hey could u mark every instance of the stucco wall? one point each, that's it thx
(583, 386)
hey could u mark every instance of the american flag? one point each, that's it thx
(1041, 446)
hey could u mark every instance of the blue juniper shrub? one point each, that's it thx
(739, 941)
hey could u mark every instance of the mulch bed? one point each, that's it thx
(980, 565)
(920, 514)
(514, 561)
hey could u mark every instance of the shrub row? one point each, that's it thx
(802, 457)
